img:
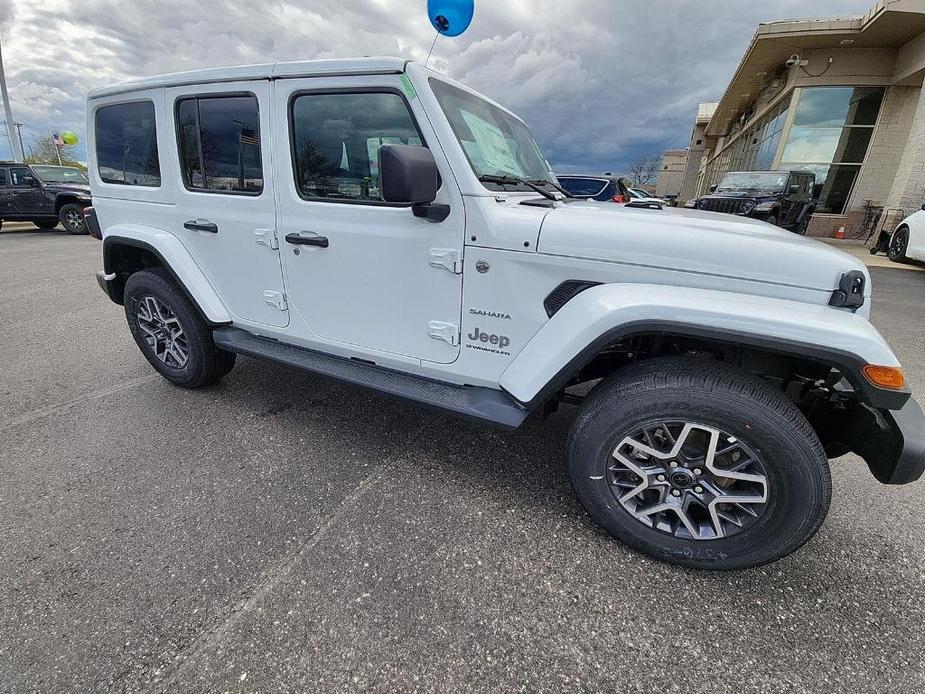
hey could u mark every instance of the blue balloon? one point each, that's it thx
(450, 17)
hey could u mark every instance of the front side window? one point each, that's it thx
(495, 142)
(218, 138)
(126, 144)
(336, 139)
(21, 177)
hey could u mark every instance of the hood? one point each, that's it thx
(706, 243)
(742, 194)
(68, 188)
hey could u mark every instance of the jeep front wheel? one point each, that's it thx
(699, 464)
(170, 332)
(771, 220)
(72, 218)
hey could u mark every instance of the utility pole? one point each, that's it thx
(19, 127)
(15, 144)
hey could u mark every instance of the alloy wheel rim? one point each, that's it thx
(72, 217)
(897, 243)
(688, 480)
(162, 331)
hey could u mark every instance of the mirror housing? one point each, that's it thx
(32, 181)
(407, 174)
(712, 188)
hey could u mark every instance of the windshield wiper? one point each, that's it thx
(545, 182)
(515, 181)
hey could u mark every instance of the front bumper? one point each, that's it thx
(891, 442)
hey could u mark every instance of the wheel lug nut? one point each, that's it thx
(673, 463)
(661, 478)
(698, 471)
(698, 489)
(675, 492)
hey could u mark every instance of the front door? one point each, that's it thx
(26, 194)
(375, 277)
(225, 212)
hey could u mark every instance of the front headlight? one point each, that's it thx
(691, 204)
(748, 206)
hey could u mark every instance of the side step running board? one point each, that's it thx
(480, 403)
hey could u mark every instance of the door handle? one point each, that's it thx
(201, 225)
(300, 240)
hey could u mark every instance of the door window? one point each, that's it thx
(336, 139)
(126, 144)
(218, 138)
(21, 177)
(3, 179)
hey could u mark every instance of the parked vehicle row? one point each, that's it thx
(376, 222)
(44, 195)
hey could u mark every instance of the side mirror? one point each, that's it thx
(923, 207)
(31, 180)
(712, 188)
(408, 175)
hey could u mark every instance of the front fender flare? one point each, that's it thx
(606, 313)
(175, 258)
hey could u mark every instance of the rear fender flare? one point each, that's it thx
(175, 258)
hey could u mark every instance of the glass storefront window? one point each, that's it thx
(831, 131)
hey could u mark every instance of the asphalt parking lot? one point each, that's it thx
(282, 532)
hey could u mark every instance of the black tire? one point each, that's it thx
(899, 242)
(72, 218)
(771, 220)
(711, 394)
(205, 362)
(45, 224)
(800, 227)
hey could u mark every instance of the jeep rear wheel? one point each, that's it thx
(45, 224)
(771, 220)
(72, 218)
(170, 332)
(699, 464)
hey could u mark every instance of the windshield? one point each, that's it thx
(60, 174)
(495, 142)
(763, 181)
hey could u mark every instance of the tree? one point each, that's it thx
(42, 151)
(644, 169)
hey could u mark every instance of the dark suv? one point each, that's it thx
(784, 198)
(44, 195)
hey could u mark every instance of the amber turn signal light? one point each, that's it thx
(885, 376)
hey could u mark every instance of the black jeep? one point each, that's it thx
(44, 195)
(784, 198)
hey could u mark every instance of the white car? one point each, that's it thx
(373, 221)
(908, 241)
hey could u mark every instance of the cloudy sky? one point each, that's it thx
(599, 81)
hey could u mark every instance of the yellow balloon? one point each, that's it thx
(69, 138)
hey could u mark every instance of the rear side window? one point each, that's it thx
(336, 140)
(126, 144)
(218, 138)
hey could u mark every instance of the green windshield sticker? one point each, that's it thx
(408, 87)
(494, 150)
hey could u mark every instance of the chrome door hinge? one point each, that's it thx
(447, 258)
(277, 299)
(266, 237)
(448, 332)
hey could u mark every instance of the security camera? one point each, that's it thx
(795, 60)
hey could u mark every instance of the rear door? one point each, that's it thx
(225, 209)
(6, 197)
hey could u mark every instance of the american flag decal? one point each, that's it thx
(249, 137)
(58, 141)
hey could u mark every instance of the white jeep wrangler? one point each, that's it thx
(373, 221)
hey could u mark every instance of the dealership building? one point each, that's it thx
(841, 97)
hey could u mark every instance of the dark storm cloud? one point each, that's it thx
(599, 81)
